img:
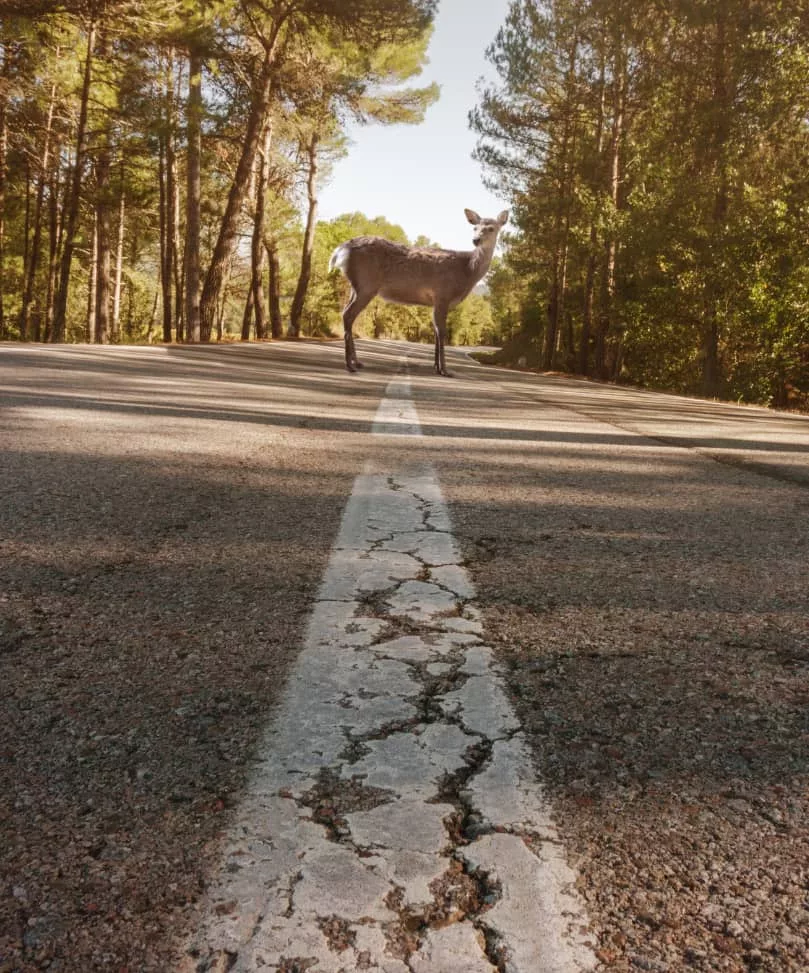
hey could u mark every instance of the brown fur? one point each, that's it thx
(426, 276)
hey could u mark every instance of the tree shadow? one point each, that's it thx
(651, 609)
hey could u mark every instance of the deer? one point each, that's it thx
(426, 276)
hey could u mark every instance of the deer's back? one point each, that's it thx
(407, 275)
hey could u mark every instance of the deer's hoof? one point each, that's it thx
(358, 364)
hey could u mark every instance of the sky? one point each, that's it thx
(423, 176)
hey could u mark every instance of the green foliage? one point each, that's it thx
(656, 159)
(471, 322)
(506, 293)
(325, 61)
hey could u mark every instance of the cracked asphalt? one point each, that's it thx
(560, 721)
(394, 702)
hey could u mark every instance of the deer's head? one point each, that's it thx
(486, 230)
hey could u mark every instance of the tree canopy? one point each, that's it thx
(156, 160)
(656, 158)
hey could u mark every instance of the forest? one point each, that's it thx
(657, 159)
(160, 165)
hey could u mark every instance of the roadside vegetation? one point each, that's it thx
(656, 157)
(160, 163)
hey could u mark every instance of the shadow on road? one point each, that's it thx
(166, 522)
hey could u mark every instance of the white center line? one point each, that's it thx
(394, 823)
(396, 415)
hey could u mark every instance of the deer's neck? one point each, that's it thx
(480, 261)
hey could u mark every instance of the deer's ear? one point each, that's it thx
(502, 219)
(472, 216)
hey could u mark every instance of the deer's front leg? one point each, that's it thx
(351, 355)
(440, 329)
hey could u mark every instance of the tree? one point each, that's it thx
(193, 195)
(146, 132)
(5, 75)
(365, 85)
(277, 26)
(641, 149)
(74, 192)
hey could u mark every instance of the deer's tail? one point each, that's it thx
(339, 258)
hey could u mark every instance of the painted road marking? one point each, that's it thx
(396, 415)
(394, 823)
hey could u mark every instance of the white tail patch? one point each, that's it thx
(339, 258)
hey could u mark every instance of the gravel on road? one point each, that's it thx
(642, 573)
(651, 605)
(166, 519)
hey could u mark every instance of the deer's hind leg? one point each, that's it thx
(356, 304)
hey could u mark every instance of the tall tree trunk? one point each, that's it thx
(153, 318)
(570, 342)
(92, 286)
(563, 315)
(193, 198)
(54, 241)
(274, 273)
(556, 304)
(103, 273)
(592, 259)
(614, 183)
(103, 167)
(226, 240)
(257, 242)
(173, 297)
(308, 240)
(26, 231)
(178, 267)
(29, 276)
(222, 306)
(247, 316)
(73, 197)
(119, 262)
(589, 303)
(3, 162)
(165, 246)
(554, 309)
(720, 128)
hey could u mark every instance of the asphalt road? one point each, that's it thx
(641, 568)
